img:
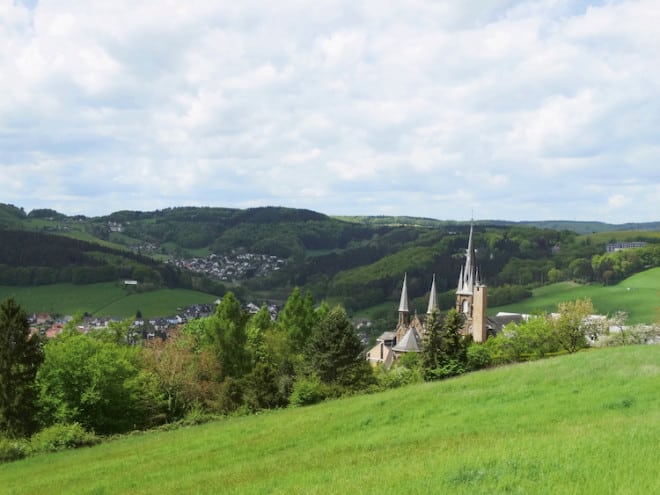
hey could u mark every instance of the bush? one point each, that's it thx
(449, 369)
(230, 397)
(12, 450)
(478, 357)
(398, 377)
(196, 416)
(61, 437)
(307, 391)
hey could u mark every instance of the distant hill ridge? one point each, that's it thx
(357, 261)
(11, 215)
(580, 227)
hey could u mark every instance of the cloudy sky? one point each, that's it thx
(525, 110)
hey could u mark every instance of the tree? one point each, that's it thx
(20, 357)
(119, 332)
(432, 347)
(533, 338)
(334, 352)
(298, 318)
(186, 377)
(572, 326)
(581, 269)
(93, 382)
(227, 333)
(444, 350)
(256, 330)
(262, 390)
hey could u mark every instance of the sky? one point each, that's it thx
(492, 109)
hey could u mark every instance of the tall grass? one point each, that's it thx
(584, 423)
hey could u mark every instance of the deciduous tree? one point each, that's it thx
(572, 325)
(93, 382)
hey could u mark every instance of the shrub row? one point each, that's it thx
(51, 439)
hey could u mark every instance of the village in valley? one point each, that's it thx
(232, 267)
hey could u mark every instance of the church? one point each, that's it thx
(471, 301)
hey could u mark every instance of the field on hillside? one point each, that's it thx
(584, 423)
(638, 295)
(106, 299)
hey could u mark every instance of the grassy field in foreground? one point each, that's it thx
(638, 295)
(584, 423)
(106, 299)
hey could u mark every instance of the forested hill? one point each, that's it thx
(357, 261)
(34, 258)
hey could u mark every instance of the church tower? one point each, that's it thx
(471, 297)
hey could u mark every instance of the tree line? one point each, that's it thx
(228, 363)
(69, 389)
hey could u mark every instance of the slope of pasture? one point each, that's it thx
(583, 423)
(639, 296)
(104, 299)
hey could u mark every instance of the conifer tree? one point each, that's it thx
(298, 318)
(20, 358)
(257, 327)
(334, 352)
(444, 351)
(432, 347)
(227, 332)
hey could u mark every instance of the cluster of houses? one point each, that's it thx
(143, 329)
(613, 247)
(232, 267)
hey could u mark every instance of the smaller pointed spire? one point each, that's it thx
(403, 304)
(461, 282)
(433, 298)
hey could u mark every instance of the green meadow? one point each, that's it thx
(639, 296)
(587, 423)
(104, 299)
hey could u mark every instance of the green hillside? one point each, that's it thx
(358, 262)
(638, 295)
(103, 299)
(585, 423)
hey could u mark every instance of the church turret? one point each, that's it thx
(404, 312)
(469, 276)
(433, 298)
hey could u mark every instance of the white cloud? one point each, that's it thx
(528, 109)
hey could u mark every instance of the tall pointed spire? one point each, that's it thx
(469, 276)
(403, 304)
(433, 298)
(404, 312)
